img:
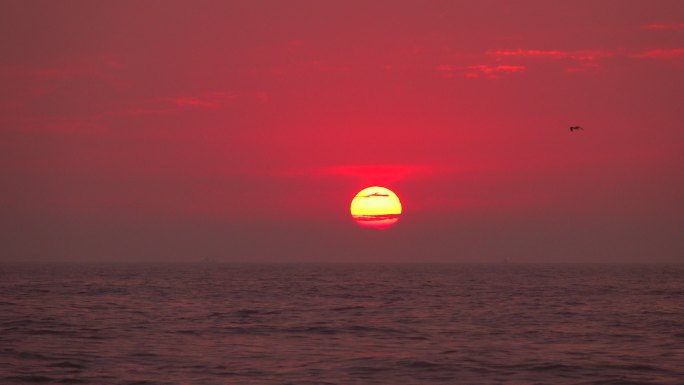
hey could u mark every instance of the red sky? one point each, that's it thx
(241, 130)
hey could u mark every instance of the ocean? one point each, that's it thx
(341, 324)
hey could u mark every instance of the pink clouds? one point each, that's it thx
(480, 70)
(664, 26)
(580, 55)
(588, 58)
(582, 59)
(585, 59)
(208, 100)
(493, 72)
(660, 53)
(176, 104)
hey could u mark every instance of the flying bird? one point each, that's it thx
(575, 128)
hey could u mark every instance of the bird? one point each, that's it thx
(575, 128)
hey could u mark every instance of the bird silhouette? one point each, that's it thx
(575, 128)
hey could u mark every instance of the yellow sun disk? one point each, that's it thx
(375, 200)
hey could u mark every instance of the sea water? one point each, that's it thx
(341, 324)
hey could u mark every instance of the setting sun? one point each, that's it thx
(376, 207)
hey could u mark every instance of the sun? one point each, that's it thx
(376, 207)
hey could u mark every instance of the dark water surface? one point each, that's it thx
(375, 324)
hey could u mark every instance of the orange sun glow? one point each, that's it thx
(376, 207)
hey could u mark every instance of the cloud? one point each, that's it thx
(182, 103)
(659, 53)
(588, 59)
(664, 26)
(210, 100)
(581, 55)
(493, 72)
(480, 70)
(96, 122)
(583, 59)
